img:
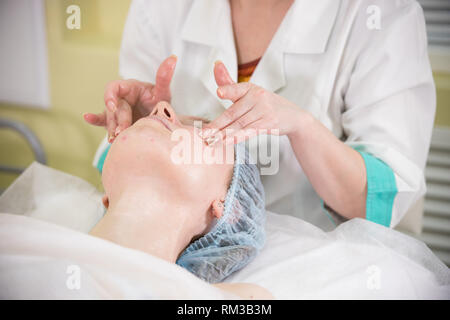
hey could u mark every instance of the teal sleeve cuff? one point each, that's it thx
(381, 190)
(102, 158)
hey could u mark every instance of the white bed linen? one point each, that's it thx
(37, 259)
(358, 260)
(53, 211)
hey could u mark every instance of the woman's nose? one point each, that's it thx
(163, 109)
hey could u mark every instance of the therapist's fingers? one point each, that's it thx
(236, 91)
(221, 74)
(141, 96)
(124, 116)
(138, 94)
(229, 116)
(111, 125)
(241, 129)
(253, 129)
(161, 91)
(239, 136)
(242, 122)
(95, 119)
(263, 125)
(241, 106)
(116, 90)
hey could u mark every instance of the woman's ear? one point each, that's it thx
(105, 201)
(217, 208)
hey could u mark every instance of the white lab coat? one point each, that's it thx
(372, 88)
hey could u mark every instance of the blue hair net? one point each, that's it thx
(239, 234)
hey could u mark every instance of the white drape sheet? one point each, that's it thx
(45, 252)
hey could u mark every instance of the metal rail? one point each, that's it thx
(32, 140)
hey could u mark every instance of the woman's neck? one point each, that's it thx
(252, 4)
(139, 220)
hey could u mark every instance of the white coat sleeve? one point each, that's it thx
(389, 110)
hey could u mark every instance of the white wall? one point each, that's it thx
(23, 53)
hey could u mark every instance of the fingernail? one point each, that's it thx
(220, 92)
(217, 61)
(212, 140)
(208, 133)
(110, 139)
(116, 133)
(204, 133)
(111, 106)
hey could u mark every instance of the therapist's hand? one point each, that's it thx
(127, 101)
(254, 110)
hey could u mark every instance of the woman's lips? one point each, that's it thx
(163, 121)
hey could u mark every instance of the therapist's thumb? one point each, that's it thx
(164, 77)
(221, 74)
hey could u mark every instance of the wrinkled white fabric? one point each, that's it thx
(359, 259)
(37, 259)
(51, 195)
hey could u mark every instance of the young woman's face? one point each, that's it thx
(147, 155)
